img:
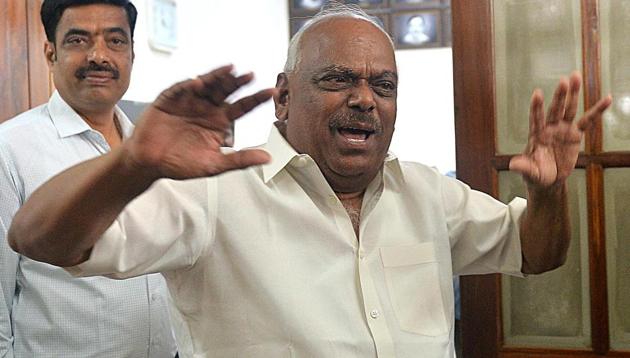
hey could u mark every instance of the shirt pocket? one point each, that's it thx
(413, 282)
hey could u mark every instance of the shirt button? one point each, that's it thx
(154, 297)
(374, 314)
(301, 162)
(332, 200)
(361, 254)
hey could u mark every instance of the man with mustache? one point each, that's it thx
(45, 311)
(320, 243)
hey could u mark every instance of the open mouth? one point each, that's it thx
(355, 135)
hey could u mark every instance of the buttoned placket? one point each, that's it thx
(371, 303)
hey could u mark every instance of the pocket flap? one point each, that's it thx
(408, 255)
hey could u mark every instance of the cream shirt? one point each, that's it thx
(264, 262)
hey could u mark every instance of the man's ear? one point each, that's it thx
(50, 52)
(281, 98)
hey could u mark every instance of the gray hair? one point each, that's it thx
(332, 9)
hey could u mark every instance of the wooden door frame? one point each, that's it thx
(473, 77)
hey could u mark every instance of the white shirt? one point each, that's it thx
(51, 313)
(264, 262)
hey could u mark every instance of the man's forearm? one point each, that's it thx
(545, 229)
(63, 219)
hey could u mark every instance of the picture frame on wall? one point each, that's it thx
(417, 29)
(415, 3)
(412, 24)
(307, 5)
(367, 4)
(162, 25)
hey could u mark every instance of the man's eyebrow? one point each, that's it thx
(117, 30)
(349, 72)
(334, 68)
(74, 31)
(392, 74)
(81, 32)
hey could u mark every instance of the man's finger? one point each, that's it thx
(240, 160)
(594, 113)
(524, 166)
(536, 117)
(218, 85)
(246, 104)
(574, 95)
(556, 108)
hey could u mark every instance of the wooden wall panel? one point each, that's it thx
(25, 81)
(14, 92)
(40, 81)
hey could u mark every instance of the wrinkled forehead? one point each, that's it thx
(347, 42)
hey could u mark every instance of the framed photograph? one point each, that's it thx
(416, 3)
(162, 25)
(368, 4)
(312, 5)
(417, 29)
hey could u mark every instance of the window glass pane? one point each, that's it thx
(536, 43)
(615, 52)
(552, 309)
(617, 197)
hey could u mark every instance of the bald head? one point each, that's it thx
(331, 11)
(340, 41)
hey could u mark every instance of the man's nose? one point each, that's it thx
(99, 52)
(362, 97)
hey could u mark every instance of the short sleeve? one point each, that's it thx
(483, 232)
(165, 228)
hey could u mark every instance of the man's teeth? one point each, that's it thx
(354, 135)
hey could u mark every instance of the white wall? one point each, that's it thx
(425, 130)
(253, 35)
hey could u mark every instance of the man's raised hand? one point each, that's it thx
(180, 134)
(554, 140)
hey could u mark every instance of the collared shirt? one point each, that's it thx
(264, 262)
(53, 314)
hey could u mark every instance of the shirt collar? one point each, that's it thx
(68, 122)
(282, 154)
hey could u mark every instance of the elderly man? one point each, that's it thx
(44, 311)
(320, 243)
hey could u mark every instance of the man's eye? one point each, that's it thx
(385, 88)
(75, 40)
(335, 79)
(118, 41)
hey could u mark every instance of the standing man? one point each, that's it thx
(46, 312)
(333, 248)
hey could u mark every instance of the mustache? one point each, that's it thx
(354, 119)
(95, 67)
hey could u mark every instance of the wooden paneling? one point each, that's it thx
(40, 81)
(14, 93)
(24, 78)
